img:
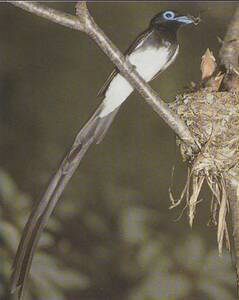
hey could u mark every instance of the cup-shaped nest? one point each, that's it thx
(213, 119)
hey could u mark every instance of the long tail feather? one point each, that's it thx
(93, 131)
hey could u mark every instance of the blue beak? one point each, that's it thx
(184, 19)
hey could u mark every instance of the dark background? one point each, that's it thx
(114, 229)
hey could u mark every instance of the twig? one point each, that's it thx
(85, 23)
(229, 52)
(51, 14)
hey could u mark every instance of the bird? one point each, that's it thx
(153, 51)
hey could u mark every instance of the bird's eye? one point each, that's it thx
(169, 15)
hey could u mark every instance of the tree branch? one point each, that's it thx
(229, 52)
(51, 14)
(229, 55)
(85, 23)
(232, 187)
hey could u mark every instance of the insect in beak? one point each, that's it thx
(196, 20)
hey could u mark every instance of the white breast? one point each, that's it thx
(148, 63)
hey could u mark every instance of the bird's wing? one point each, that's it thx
(106, 84)
(136, 43)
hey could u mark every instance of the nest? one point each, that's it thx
(213, 119)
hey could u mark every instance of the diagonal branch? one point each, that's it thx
(85, 23)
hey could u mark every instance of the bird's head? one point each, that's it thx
(172, 19)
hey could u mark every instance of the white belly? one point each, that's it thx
(148, 63)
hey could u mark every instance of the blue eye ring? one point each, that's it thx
(169, 15)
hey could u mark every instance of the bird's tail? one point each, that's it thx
(97, 126)
(93, 131)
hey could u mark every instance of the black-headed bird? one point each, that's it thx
(151, 53)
